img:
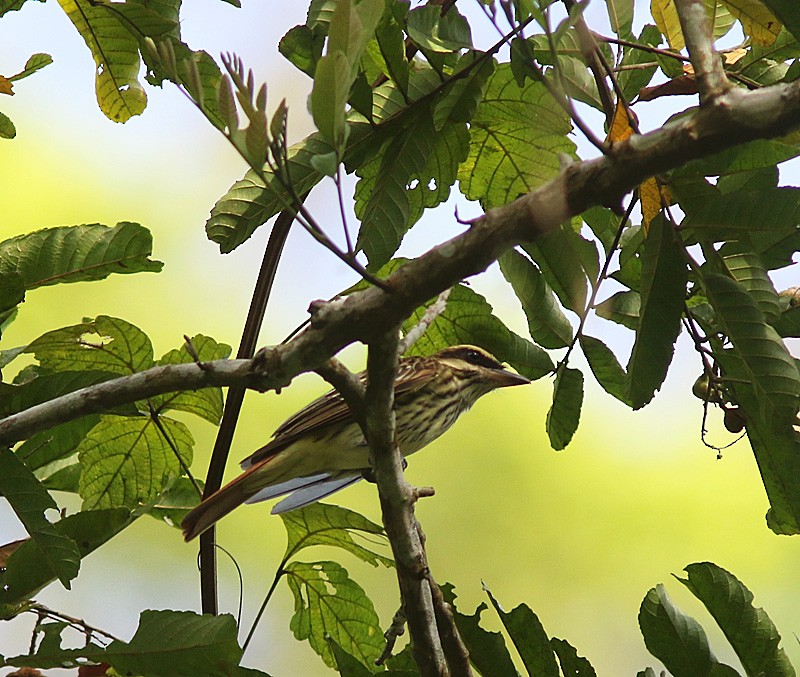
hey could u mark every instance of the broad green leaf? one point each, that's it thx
(788, 12)
(620, 13)
(116, 56)
(677, 640)
(577, 81)
(565, 412)
(487, 649)
(571, 663)
(89, 529)
(175, 502)
(329, 97)
(391, 44)
(175, 643)
(529, 638)
(622, 307)
(328, 603)
(413, 172)
(55, 444)
(604, 224)
(547, 324)
(57, 554)
(468, 318)
(749, 630)
(12, 291)
(746, 268)
(103, 344)
(461, 98)
(430, 29)
(142, 20)
(606, 368)
(206, 403)
(788, 323)
(78, 253)
(752, 155)
(758, 356)
(127, 462)
(250, 203)
(385, 213)
(302, 46)
(765, 178)
(735, 216)
(757, 21)
(345, 664)
(34, 63)
(559, 255)
(663, 290)
(517, 134)
(325, 524)
(11, 5)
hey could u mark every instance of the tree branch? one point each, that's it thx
(397, 505)
(737, 116)
(698, 35)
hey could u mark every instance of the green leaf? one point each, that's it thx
(103, 344)
(345, 664)
(788, 12)
(12, 290)
(250, 202)
(620, 13)
(638, 76)
(385, 214)
(77, 253)
(11, 5)
(127, 462)
(517, 135)
(487, 650)
(44, 387)
(175, 502)
(206, 403)
(116, 56)
(606, 368)
(25, 575)
(623, 307)
(430, 29)
(175, 643)
(750, 631)
(663, 291)
(413, 172)
(328, 603)
(559, 255)
(302, 47)
(751, 155)
(57, 554)
(468, 318)
(547, 324)
(460, 99)
(758, 355)
(34, 63)
(7, 128)
(529, 638)
(565, 412)
(55, 444)
(746, 268)
(329, 97)
(677, 640)
(788, 323)
(571, 663)
(331, 525)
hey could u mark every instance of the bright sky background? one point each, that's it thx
(579, 535)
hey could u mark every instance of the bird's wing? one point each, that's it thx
(331, 409)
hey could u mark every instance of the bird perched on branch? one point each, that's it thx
(321, 449)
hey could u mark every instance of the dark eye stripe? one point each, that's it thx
(473, 356)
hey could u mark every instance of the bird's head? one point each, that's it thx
(479, 368)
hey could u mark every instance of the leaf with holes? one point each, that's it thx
(328, 603)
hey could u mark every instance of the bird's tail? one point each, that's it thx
(214, 508)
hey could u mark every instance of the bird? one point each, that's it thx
(321, 449)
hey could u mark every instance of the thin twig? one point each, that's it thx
(431, 313)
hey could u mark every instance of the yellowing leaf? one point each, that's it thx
(653, 196)
(732, 56)
(621, 128)
(5, 86)
(666, 18)
(116, 55)
(758, 22)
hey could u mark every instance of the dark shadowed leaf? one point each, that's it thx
(571, 663)
(749, 630)
(606, 368)
(565, 412)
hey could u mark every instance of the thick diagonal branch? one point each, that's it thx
(737, 116)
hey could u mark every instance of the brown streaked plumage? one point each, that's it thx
(321, 449)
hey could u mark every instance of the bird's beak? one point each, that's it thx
(505, 378)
